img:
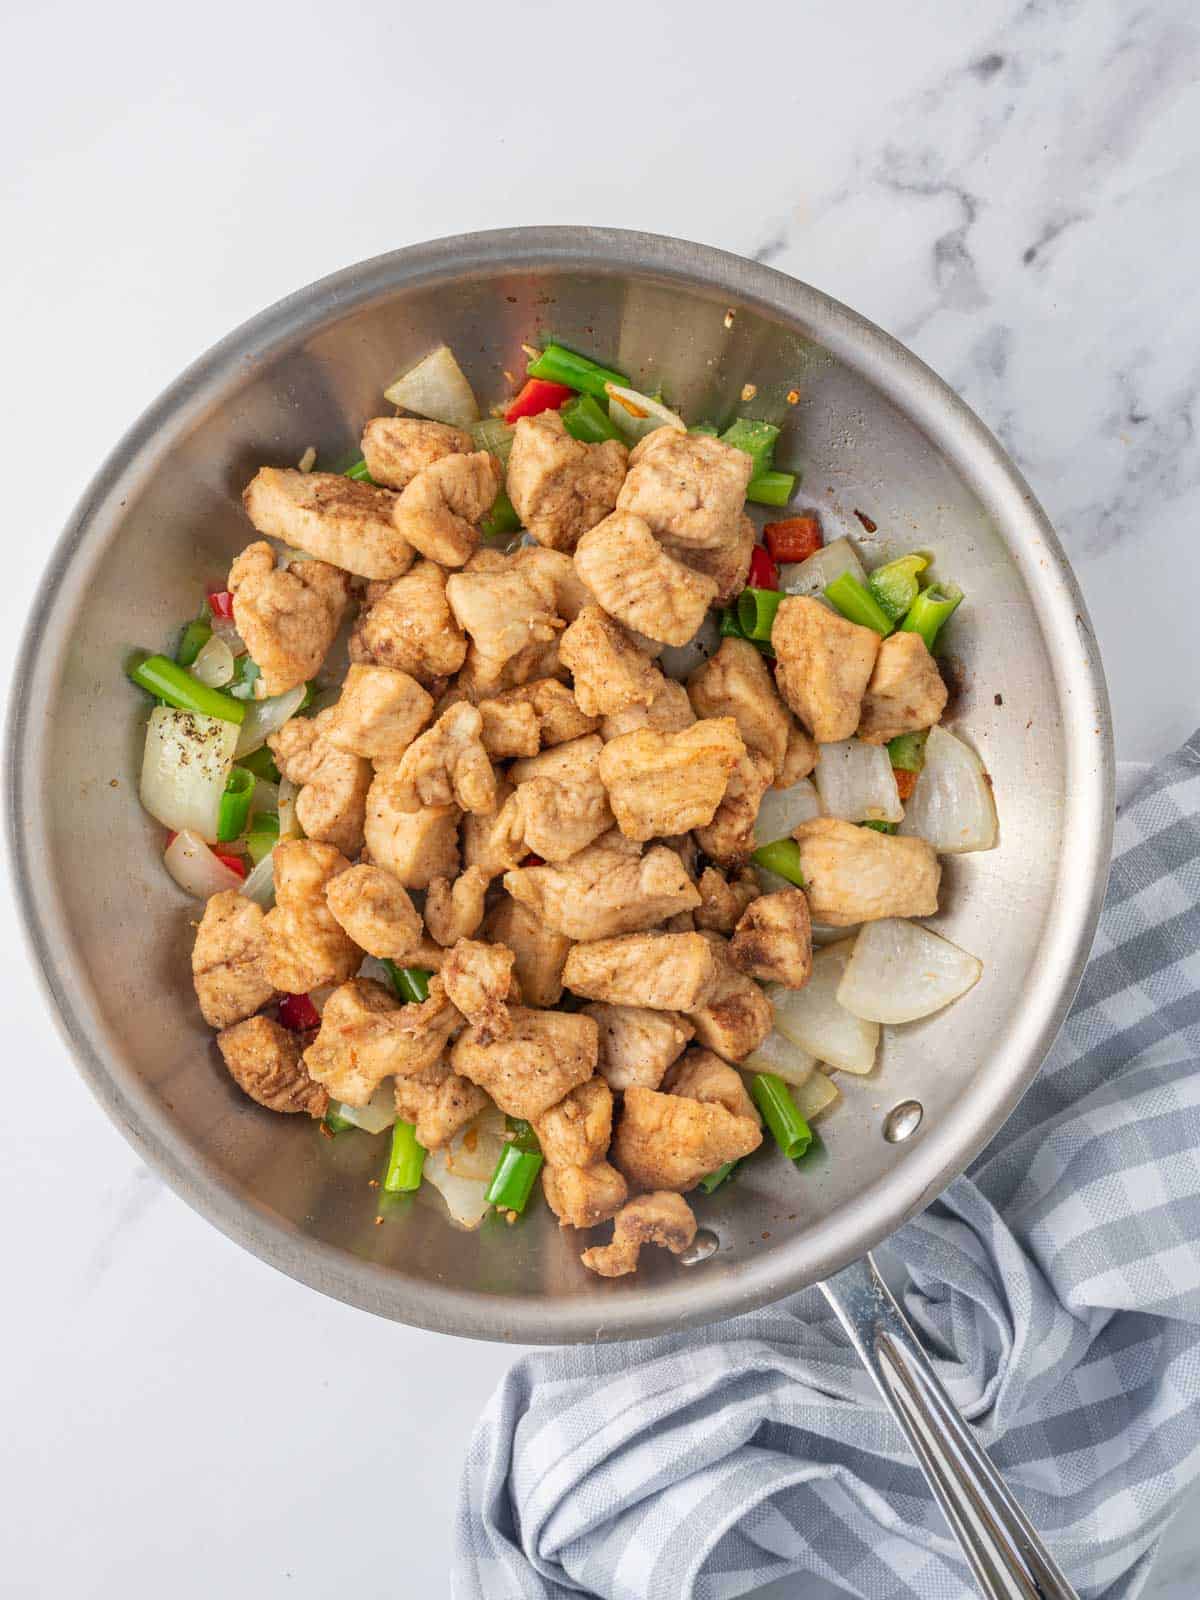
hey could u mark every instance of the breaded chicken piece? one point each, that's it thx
(478, 978)
(637, 1045)
(662, 783)
(728, 564)
(332, 802)
(636, 581)
(610, 670)
(559, 486)
(701, 1075)
(690, 488)
(453, 911)
(227, 960)
(366, 1036)
(662, 1219)
(823, 666)
(668, 1141)
(722, 899)
(664, 971)
(415, 846)
(493, 841)
(538, 952)
(264, 1060)
(555, 573)
(543, 1057)
(288, 618)
(379, 713)
(729, 837)
(483, 677)
(854, 874)
(438, 511)
(737, 683)
(504, 611)
(581, 1197)
(306, 947)
(799, 759)
(576, 1131)
(408, 625)
(396, 449)
(563, 804)
(608, 888)
(735, 1015)
(535, 716)
(438, 1103)
(446, 765)
(334, 518)
(905, 692)
(669, 712)
(375, 910)
(773, 940)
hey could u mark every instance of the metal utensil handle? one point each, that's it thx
(1008, 1559)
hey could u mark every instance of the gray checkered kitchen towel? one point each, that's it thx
(1059, 1280)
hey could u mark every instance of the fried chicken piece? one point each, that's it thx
(478, 978)
(506, 611)
(823, 666)
(538, 952)
(555, 573)
(543, 1057)
(415, 846)
(332, 802)
(729, 837)
(854, 874)
(366, 1036)
(701, 1075)
(670, 711)
(562, 802)
(453, 911)
(690, 488)
(905, 692)
(576, 1131)
(660, 783)
(799, 759)
(288, 618)
(668, 1141)
(396, 449)
(227, 960)
(637, 1045)
(534, 716)
(379, 713)
(375, 910)
(728, 564)
(737, 683)
(735, 1016)
(329, 516)
(438, 511)
(636, 581)
(773, 940)
(438, 1103)
(610, 670)
(664, 971)
(305, 946)
(722, 899)
(609, 887)
(446, 765)
(663, 1219)
(409, 625)
(581, 1197)
(494, 840)
(264, 1060)
(559, 486)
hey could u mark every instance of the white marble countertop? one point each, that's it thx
(1012, 189)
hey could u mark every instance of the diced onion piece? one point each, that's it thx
(818, 1023)
(782, 1056)
(436, 387)
(951, 807)
(195, 868)
(822, 567)
(635, 415)
(264, 717)
(379, 1112)
(185, 768)
(214, 665)
(462, 1170)
(494, 435)
(679, 661)
(289, 828)
(783, 810)
(900, 971)
(815, 1096)
(260, 885)
(855, 782)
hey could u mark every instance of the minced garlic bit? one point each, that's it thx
(749, 390)
(379, 1222)
(729, 318)
(308, 460)
(792, 396)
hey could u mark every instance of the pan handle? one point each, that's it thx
(1008, 1559)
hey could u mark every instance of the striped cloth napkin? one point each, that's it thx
(1058, 1284)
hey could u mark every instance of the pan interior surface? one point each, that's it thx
(875, 433)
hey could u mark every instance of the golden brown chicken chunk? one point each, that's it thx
(854, 874)
(374, 909)
(799, 759)
(576, 1131)
(332, 802)
(446, 765)
(438, 1103)
(453, 911)
(508, 612)
(543, 1057)
(637, 1045)
(636, 581)
(334, 518)
(478, 978)
(729, 837)
(555, 573)
(438, 511)
(379, 713)
(728, 565)
(735, 1015)
(663, 783)
(701, 1075)
(905, 692)
(397, 448)
(415, 846)
(608, 888)
(559, 486)
(669, 712)
(264, 1060)
(581, 1197)
(366, 1036)
(538, 952)
(493, 840)
(823, 666)
(668, 1141)
(534, 716)
(663, 1219)
(306, 947)
(773, 941)
(287, 617)
(665, 971)
(408, 625)
(562, 802)
(610, 670)
(227, 960)
(722, 899)
(737, 683)
(690, 488)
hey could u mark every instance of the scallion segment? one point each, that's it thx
(878, 827)
(193, 639)
(757, 439)
(586, 420)
(410, 983)
(517, 1169)
(895, 585)
(781, 856)
(564, 366)
(171, 683)
(756, 610)
(359, 473)
(234, 812)
(502, 519)
(857, 604)
(405, 1162)
(930, 611)
(335, 1122)
(789, 1129)
(709, 429)
(263, 835)
(262, 764)
(906, 751)
(772, 488)
(715, 1179)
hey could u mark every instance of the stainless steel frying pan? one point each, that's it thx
(879, 435)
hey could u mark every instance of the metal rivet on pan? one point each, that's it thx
(701, 1247)
(902, 1121)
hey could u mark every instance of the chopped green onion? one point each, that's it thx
(561, 365)
(756, 610)
(906, 751)
(895, 586)
(930, 610)
(235, 804)
(879, 827)
(729, 627)
(246, 673)
(501, 519)
(263, 835)
(771, 488)
(517, 1169)
(335, 1122)
(410, 983)
(195, 636)
(757, 439)
(792, 1134)
(262, 764)
(781, 856)
(714, 1180)
(857, 604)
(495, 436)
(585, 419)
(522, 1134)
(406, 1161)
(709, 429)
(359, 473)
(175, 686)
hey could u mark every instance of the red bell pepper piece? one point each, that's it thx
(796, 539)
(234, 863)
(297, 1012)
(538, 395)
(220, 603)
(764, 574)
(533, 861)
